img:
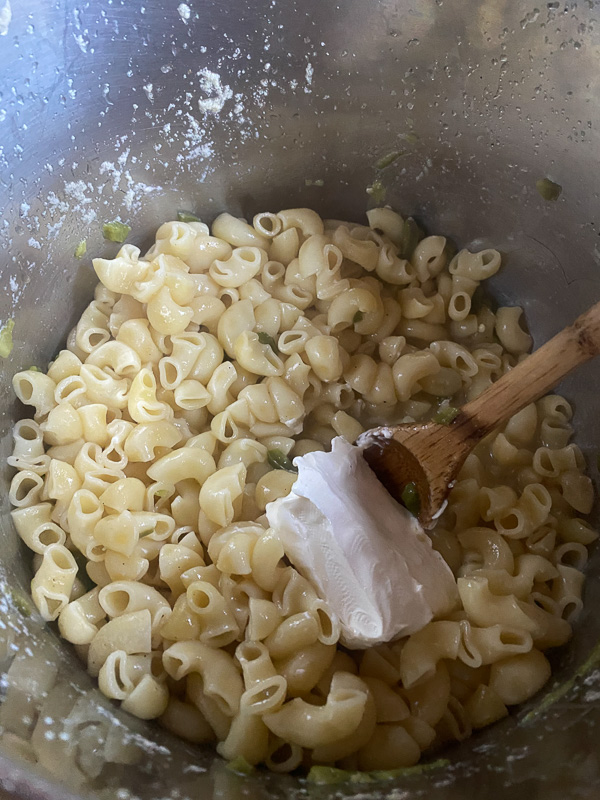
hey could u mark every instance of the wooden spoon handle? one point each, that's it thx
(536, 374)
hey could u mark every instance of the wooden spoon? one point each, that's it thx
(430, 456)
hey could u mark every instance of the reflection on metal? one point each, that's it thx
(130, 111)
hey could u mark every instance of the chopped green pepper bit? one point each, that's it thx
(327, 775)
(34, 369)
(318, 182)
(265, 338)
(6, 340)
(410, 498)
(389, 159)
(278, 460)
(187, 216)
(377, 191)
(358, 317)
(410, 237)
(410, 137)
(445, 415)
(115, 231)
(402, 772)
(162, 493)
(548, 189)
(81, 249)
(240, 766)
(361, 777)
(19, 600)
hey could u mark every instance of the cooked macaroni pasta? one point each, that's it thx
(169, 422)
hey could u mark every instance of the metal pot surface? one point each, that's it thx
(132, 109)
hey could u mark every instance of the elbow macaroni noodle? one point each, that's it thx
(147, 467)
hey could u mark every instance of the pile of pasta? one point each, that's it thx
(161, 432)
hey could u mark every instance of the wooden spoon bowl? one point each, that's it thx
(430, 456)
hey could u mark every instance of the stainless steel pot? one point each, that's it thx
(133, 109)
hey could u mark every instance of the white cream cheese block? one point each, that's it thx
(366, 555)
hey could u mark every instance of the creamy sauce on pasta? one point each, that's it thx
(368, 557)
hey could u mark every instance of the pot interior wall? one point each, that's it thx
(133, 110)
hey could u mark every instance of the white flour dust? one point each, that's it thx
(123, 182)
(5, 17)
(216, 93)
(184, 11)
(81, 193)
(309, 78)
(218, 106)
(81, 42)
(194, 142)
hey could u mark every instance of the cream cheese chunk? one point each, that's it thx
(366, 555)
